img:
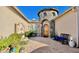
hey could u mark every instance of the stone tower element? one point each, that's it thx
(47, 24)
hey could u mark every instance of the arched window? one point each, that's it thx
(45, 14)
(53, 13)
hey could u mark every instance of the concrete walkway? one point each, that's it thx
(52, 46)
(33, 45)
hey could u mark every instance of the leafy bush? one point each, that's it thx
(18, 48)
(29, 34)
(53, 35)
(12, 39)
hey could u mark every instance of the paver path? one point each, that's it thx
(53, 46)
(33, 45)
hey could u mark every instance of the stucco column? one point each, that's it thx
(49, 29)
(40, 29)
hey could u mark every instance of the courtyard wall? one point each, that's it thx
(9, 16)
(67, 23)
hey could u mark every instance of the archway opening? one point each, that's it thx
(45, 28)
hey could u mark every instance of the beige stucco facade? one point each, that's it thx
(9, 16)
(68, 23)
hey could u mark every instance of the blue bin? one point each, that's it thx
(58, 38)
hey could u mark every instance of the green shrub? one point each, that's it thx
(12, 39)
(18, 48)
(29, 34)
(53, 35)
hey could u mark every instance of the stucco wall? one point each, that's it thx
(77, 8)
(8, 18)
(67, 24)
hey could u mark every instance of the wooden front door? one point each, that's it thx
(46, 30)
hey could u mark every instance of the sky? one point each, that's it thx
(31, 12)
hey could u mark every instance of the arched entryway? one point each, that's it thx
(45, 28)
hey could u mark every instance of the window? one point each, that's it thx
(45, 14)
(53, 13)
